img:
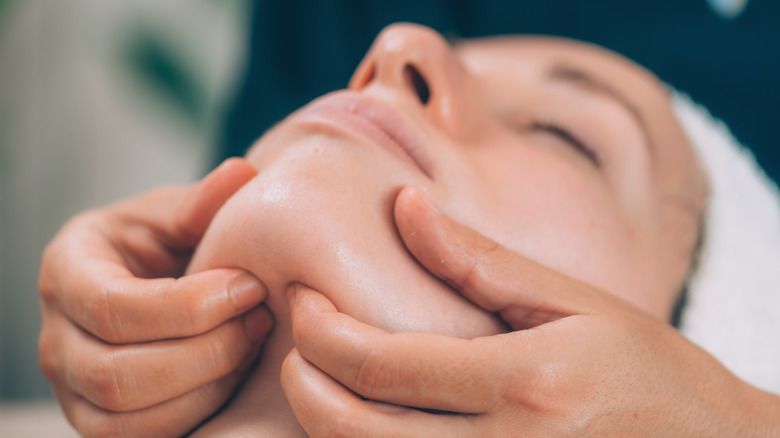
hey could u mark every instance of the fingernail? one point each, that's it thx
(426, 200)
(246, 291)
(257, 323)
(292, 293)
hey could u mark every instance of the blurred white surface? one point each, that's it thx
(34, 420)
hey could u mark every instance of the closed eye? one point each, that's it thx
(567, 137)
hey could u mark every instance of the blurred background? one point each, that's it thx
(102, 99)
(98, 100)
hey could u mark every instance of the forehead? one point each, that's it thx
(497, 61)
(531, 57)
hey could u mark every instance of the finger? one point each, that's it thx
(160, 228)
(202, 202)
(136, 376)
(120, 308)
(107, 235)
(497, 279)
(91, 266)
(172, 418)
(325, 409)
(181, 214)
(393, 368)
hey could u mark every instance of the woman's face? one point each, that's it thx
(561, 151)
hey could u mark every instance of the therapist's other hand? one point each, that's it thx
(130, 349)
(580, 362)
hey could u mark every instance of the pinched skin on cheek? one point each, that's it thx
(318, 216)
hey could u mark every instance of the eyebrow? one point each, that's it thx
(581, 78)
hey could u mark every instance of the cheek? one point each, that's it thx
(578, 234)
(551, 211)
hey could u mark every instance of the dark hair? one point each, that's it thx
(682, 297)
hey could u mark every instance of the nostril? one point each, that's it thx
(417, 82)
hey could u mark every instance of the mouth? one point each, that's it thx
(354, 115)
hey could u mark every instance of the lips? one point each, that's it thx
(354, 115)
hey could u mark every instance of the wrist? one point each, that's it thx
(727, 406)
(747, 411)
(761, 414)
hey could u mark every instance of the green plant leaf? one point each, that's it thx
(154, 60)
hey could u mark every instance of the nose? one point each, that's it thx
(413, 63)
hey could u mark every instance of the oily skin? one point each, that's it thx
(320, 210)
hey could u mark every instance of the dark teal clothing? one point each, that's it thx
(301, 49)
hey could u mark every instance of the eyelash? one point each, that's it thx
(565, 135)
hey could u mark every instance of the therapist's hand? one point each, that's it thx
(581, 362)
(130, 349)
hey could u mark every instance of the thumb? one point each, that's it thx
(495, 278)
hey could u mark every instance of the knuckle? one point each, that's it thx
(97, 317)
(342, 425)
(375, 374)
(543, 390)
(102, 318)
(106, 383)
(57, 254)
(219, 354)
(47, 284)
(105, 425)
(193, 310)
(47, 360)
(469, 279)
(488, 251)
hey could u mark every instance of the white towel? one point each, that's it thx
(734, 303)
